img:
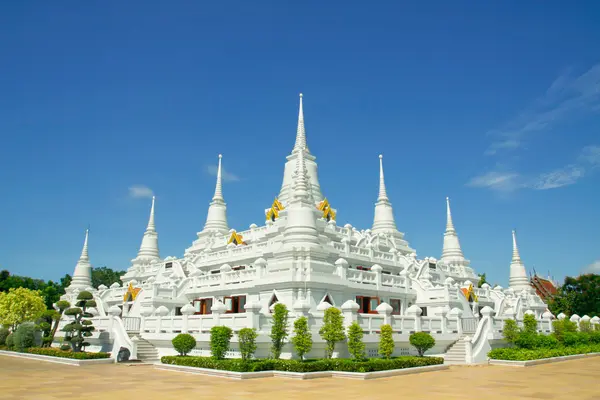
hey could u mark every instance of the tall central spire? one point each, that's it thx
(518, 275)
(216, 220)
(82, 276)
(300, 146)
(149, 248)
(451, 251)
(384, 221)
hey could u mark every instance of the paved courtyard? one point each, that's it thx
(26, 379)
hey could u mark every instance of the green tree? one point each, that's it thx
(220, 338)
(356, 346)
(510, 331)
(81, 327)
(279, 329)
(20, 305)
(62, 305)
(386, 342)
(184, 343)
(105, 276)
(579, 295)
(482, 280)
(24, 336)
(247, 341)
(422, 341)
(332, 330)
(302, 339)
(529, 324)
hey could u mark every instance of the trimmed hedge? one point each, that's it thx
(54, 352)
(516, 354)
(336, 364)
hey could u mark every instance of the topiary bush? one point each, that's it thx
(332, 330)
(279, 329)
(220, 338)
(24, 336)
(184, 343)
(510, 331)
(247, 342)
(54, 352)
(356, 346)
(422, 341)
(302, 339)
(529, 324)
(386, 342)
(80, 328)
(10, 341)
(4, 332)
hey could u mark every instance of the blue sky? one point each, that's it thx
(495, 105)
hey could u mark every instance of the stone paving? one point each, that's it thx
(27, 379)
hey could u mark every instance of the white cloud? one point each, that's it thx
(566, 97)
(495, 180)
(593, 268)
(140, 191)
(225, 175)
(558, 178)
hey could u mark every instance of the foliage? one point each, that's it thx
(4, 332)
(51, 291)
(20, 305)
(529, 324)
(279, 330)
(356, 346)
(302, 339)
(81, 327)
(422, 341)
(24, 336)
(386, 342)
(184, 343)
(482, 280)
(512, 353)
(247, 340)
(560, 327)
(585, 326)
(220, 337)
(44, 322)
(510, 331)
(105, 276)
(332, 330)
(10, 341)
(54, 352)
(579, 295)
(337, 364)
(62, 305)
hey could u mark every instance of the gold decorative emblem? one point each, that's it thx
(273, 212)
(131, 293)
(328, 212)
(469, 293)
(236, 239)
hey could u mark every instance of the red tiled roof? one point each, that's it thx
(543, 287)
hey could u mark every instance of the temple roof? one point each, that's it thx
(543, 287)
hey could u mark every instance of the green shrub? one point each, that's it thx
(247, 341)
(547, 341)
(386, 342)
(585, 326)
(511, 353)
(184, 343)
(527, 340)
(332, 330)
(572, 339)
(220, 337)
(422, 341)
(302, 339)
(595, 337)
(24, 337)
(10, 341)
(510, 331)
(279, 329)
(4, 332)
(54, 352)
(237, 365)
(356, 346)
(561, 327)
(529, 324)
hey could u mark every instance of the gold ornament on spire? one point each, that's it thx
(273, 212)
(236, 239)
(328, 212)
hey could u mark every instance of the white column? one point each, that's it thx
(350, 311)
(217, 309)
(186, 311)
(253, 310)
(386, 310)
(377, 269)
(415, 312)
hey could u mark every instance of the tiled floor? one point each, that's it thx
(26, 379)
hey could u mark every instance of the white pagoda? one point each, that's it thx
(300, 257)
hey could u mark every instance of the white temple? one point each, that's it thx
(300, 257)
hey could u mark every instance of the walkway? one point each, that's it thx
(26, 379)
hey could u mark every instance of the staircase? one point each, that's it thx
(146, 352)
(457, 353)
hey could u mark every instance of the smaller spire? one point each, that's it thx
(449, 223)
(382, 190)
(300, 132)
(219, 188)
(84, 251)
(516, 257)
(151, 226)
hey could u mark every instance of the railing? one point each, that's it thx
(393, 280)
(364, 277)
(131, 324)
(469, 325)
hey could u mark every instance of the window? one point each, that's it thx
(235, 304)
(386, 272)
(202, 306)
(272, 301)
(396, 306)
(361, 268)
(215, 271)
(238, 268)
(178, 311)
(424, 311)
(168, 265)
(327, 299)
(432, 265)
(367, 304)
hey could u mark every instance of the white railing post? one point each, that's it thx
(575, 318)
(225, 268)
(595, 321)
(377, 269)
(260, 264)
(134, 348)
(342, 268)
(350, 311)
(186, 311)
(386, 310)
(468, 350)
(144, 312)
(547, 316)
(457, 313)
(217, 309)
(415, 312)
(253, 310)
(444, 317)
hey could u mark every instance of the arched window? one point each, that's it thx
(273, 300)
